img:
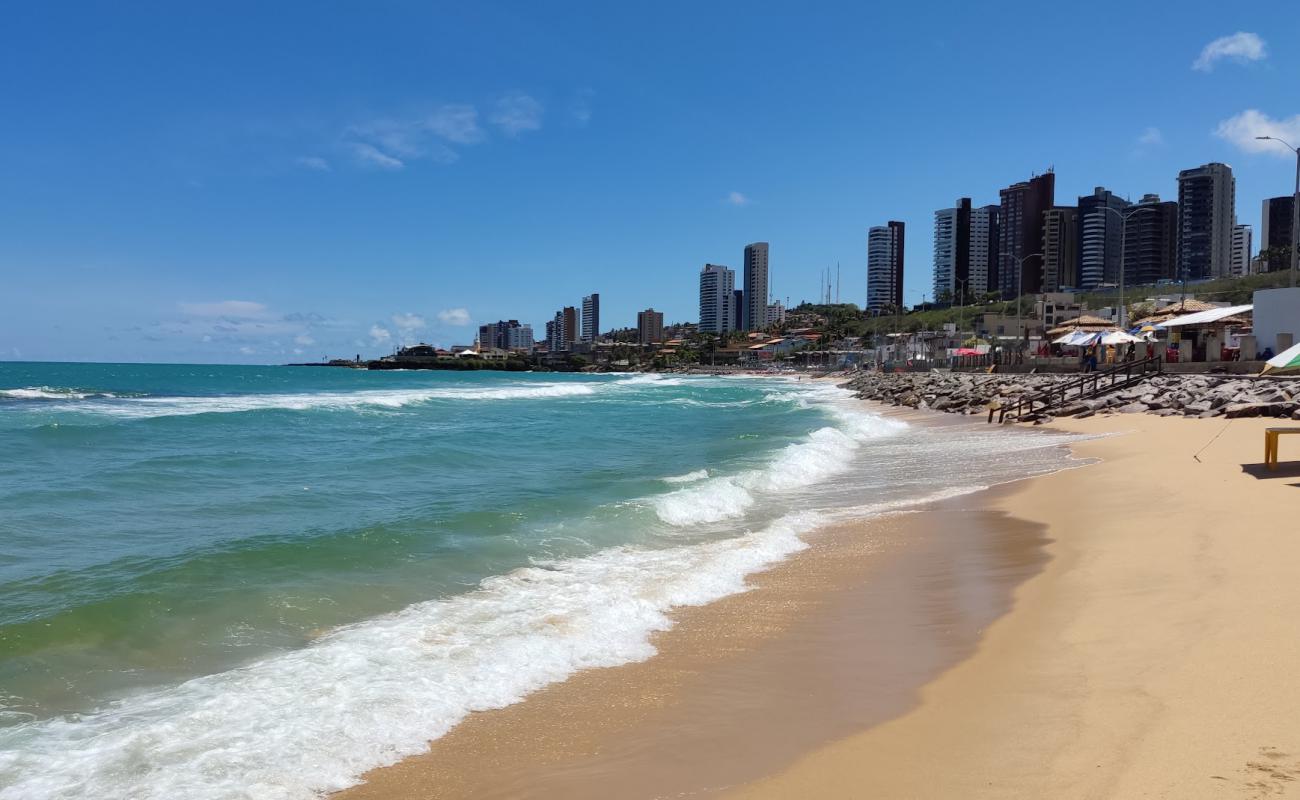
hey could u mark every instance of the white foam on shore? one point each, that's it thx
(823, 453)
(311, 721)
(49, 393)
(690, 477)
(146, 407)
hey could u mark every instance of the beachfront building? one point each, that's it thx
(1060, 251)
(1099, 234)
(572, 326)
(497, 335)
(885, 267)
(756, 286)
(557, 334)
(952, 251)
(590, 317)
(649, 326)
(965, 248)
(519, 337)
(717, 292)
(1151, 241)
(1021, 234)
(1241, 235)
(1206, 213)
(1275, 232)
(775, 315)
(984, 244)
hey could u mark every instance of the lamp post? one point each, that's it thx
(1020, 290)
(961, 304)
(1123, 234)
(1295, 205)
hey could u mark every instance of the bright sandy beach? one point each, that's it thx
(1124, 629)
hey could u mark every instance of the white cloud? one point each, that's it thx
(408, 321)
(455, 123)
(1151, 137)
(516, 113)
(454, 316)
(737, 199)
(373, 156)
(303, 339)
(238, 309)
(246, 350)
(1240, 47)
(1242, 129)
(313, 163)
(379, 334)
(580, 107)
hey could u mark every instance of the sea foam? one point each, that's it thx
(310, 721)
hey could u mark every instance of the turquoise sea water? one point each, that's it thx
(229, 582)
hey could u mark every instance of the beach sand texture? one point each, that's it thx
(1157, 655)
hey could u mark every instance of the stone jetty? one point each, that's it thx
(1164, 394)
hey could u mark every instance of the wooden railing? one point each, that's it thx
(1087, 385)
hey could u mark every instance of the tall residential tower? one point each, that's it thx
(756, 287)
(885, 267)
(717, 288)
(1206, 213)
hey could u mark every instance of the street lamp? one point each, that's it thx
(1123, 233)
(1295, 205)
(1020, 290)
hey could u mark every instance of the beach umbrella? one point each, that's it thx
(1287, 359)
(1064, 339)
(1118, 337)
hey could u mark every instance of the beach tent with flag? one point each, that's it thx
(1288, 359)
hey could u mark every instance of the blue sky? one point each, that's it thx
(263, 182)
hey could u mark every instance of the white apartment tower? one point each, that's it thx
(717, 290)
(1241, 242)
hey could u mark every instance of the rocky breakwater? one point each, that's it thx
(1165, 394)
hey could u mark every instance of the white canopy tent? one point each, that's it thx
(1205, 317)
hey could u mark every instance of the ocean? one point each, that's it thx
(259, 582)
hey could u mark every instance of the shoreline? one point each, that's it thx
(871, 612)
(1152, 657)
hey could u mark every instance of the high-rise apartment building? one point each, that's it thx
(985, 244)
(952, 251)
(1021, 229)
(649, 326)
(1206, 213)
(1060, 250)
(1100, 238)
(756, 286)
(572, 327)
(737, 309)
(519, 337)
(885, 267)
(1151, 241)
(1275, 232)
(1240, 250)
(557, 331)
(590, 317)
(717, 288)
(496, 335)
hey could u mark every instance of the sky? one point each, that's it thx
(267, 182)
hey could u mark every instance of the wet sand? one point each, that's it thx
(837, 639)
(1155, 656)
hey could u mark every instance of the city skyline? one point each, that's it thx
(238, 219)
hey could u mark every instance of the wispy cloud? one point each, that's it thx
(1151, 137)
(304, 340)
(454, 316)
(238, 309)
(455, 123)
(1242, 130)
(516, 113)
(580, 106)
(408, 321)
(737, 199)
(313, 163)
(379, 335)
(1241, 47)
(370, 155)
